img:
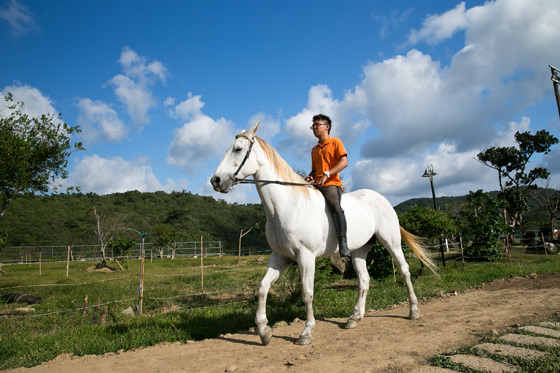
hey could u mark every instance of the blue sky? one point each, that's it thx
(161, 88)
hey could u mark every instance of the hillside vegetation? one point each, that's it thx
(67, 219)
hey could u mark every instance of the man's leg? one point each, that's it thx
(332, 196)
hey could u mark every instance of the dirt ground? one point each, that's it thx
(385, 341)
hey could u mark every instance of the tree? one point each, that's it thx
(121, 246)
(242, 233)
(106, 230)
(549, 200)
(34, 151)
(427, 222)
(165, 236)
(481, 225)
(513, 176)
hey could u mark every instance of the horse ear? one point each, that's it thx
(253, 131)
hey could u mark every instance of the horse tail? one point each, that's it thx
(419, 250)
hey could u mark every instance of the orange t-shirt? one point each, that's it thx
(325, 155)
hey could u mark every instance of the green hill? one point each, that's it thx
(68, 219)
(533, 219)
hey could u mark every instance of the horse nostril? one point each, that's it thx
(215, 181)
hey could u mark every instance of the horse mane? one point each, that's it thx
(283, 170)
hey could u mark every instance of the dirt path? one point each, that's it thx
(385, 341)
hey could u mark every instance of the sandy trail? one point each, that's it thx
(385, 341)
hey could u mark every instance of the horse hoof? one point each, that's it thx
(304, 340)
(414, 315)
(265, 339)
(351, 324)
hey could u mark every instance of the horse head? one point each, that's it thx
(238, 162)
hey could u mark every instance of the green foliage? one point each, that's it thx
(380, 264)
(34, 151)
(291, 279)
(513, 176)
(482, 224)
(164, 235)
(427, 222)
(121, 246)
(66, 219)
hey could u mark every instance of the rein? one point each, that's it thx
(244, 181)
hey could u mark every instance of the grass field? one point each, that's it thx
(176, 309)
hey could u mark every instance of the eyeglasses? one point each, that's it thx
(317, 125)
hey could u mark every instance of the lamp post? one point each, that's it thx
(429, 172)
(556, 83)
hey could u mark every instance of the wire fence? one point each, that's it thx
(58, 253)
(36, 254)
(93, 252)
(120, 281)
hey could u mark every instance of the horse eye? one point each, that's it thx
(236, 150)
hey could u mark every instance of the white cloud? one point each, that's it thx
(439, 27)
(506, 136)
(115, 175)
(190, 108)
(35, 103)
(268, 127)
(320, 101)
(458, 172)
(18, 18)
(133, 88)
(169, 101)
(99, 121)
(200, 138)
(414, 102)
(454, 111)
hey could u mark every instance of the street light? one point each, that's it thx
(429, 172)
(556, 83)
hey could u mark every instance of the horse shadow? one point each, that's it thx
(342, 324)
(257, 342)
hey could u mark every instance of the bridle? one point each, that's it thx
(251, 143)
(255, 181)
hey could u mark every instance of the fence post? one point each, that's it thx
(67, 261)
(544, 244)
(462, 255)
(201, 266)
(141, 289)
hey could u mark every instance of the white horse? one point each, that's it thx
(300, 228)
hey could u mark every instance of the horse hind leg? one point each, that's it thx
(359, 262)
(276, 266)
(395, 250)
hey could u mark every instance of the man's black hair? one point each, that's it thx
(323, 117)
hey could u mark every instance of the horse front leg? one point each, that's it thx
(306, 265)
(276, 266)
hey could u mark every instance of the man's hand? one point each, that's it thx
(322, 180)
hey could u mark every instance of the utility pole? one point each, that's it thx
(556, 83)
(429, 172)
